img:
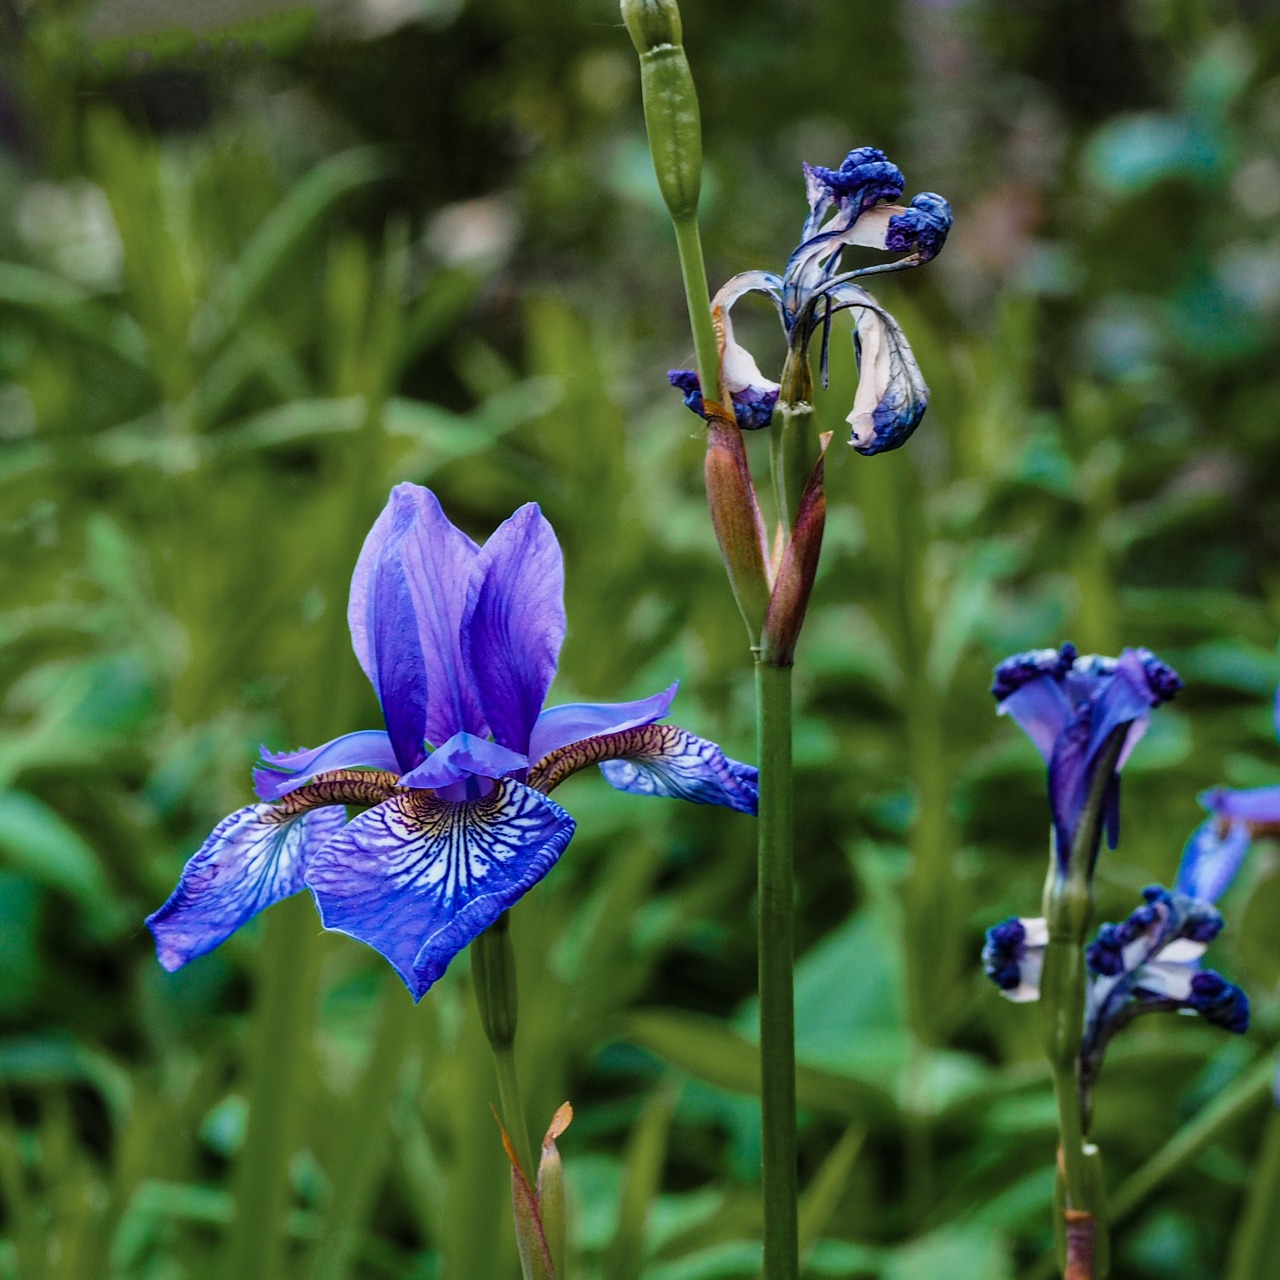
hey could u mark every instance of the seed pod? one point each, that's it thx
(670, 102)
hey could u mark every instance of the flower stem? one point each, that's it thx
(1257, 1237)
(493, 969)
(1068, 908)
(776, 948)
(693, 272)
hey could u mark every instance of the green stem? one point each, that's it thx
(493, 971)
(360, 1155)
(693, 272)
(504, 1061)
(1255, 1250)
(280, 1061)
(776, 948)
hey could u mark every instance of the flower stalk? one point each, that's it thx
(775, 960)
(1068, 909)
(493, 971)
(671, 118)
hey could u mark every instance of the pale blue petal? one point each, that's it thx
(573, 721)
(418, 878)
(1252, 804)
(285, 771)
(1040, 708)
(682, 766)
(254, 857)
(464, 756)
(1211, 859)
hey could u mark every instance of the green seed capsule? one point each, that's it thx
(670, 102)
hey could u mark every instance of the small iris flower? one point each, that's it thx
(846, 207)
(461, 644)
(1217, 847)
(1074, 709)
(1147, 963)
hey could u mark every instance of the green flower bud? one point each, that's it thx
(651, 23)
(670, 103)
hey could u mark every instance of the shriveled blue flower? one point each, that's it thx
(1217, 848)
(461, 644)
(1149, 962)
(845, 209)
(1072, 708)
(1013, 956)
(752, 406)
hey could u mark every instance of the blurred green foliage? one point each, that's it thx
(254, 271)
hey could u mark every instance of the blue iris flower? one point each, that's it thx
(846, 207)
(1071, 707)
(1217, 847)
(1147, 963)
(461, 643)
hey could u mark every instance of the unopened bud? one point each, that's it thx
(651, 23)
(735, 515)
(797, 571)
(670, 102)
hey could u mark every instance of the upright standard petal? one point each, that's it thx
(283, 771)
(253, 858)
(417, 878)
(408, 595)
(514, 624)
(1029, 688)
(572, 721)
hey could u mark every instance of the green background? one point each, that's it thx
(257, 266)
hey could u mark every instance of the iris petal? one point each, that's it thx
(418, 878)
(514, 624)
(464, 756)
(254, 857)
(1041, 710)
(573, 721)
(408, 595)
(1211, 859)
(682, 766)
(892, 395)
(1252, 804)
(285, 771)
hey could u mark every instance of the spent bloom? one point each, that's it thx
(1148, 963)
(1217, 847)
(1083, 713)
(852, 205)
(461, 644)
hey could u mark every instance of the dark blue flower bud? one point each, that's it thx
(686, 382)
(865, 177)
(1003, 953)
(1220, 1001)
(1022, 668)
(923, 227)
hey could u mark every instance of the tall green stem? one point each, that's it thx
(1255, 1250)
(1068, 908)
(493, 971)
(776, 954)
(280, 1060)
(693, 272)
